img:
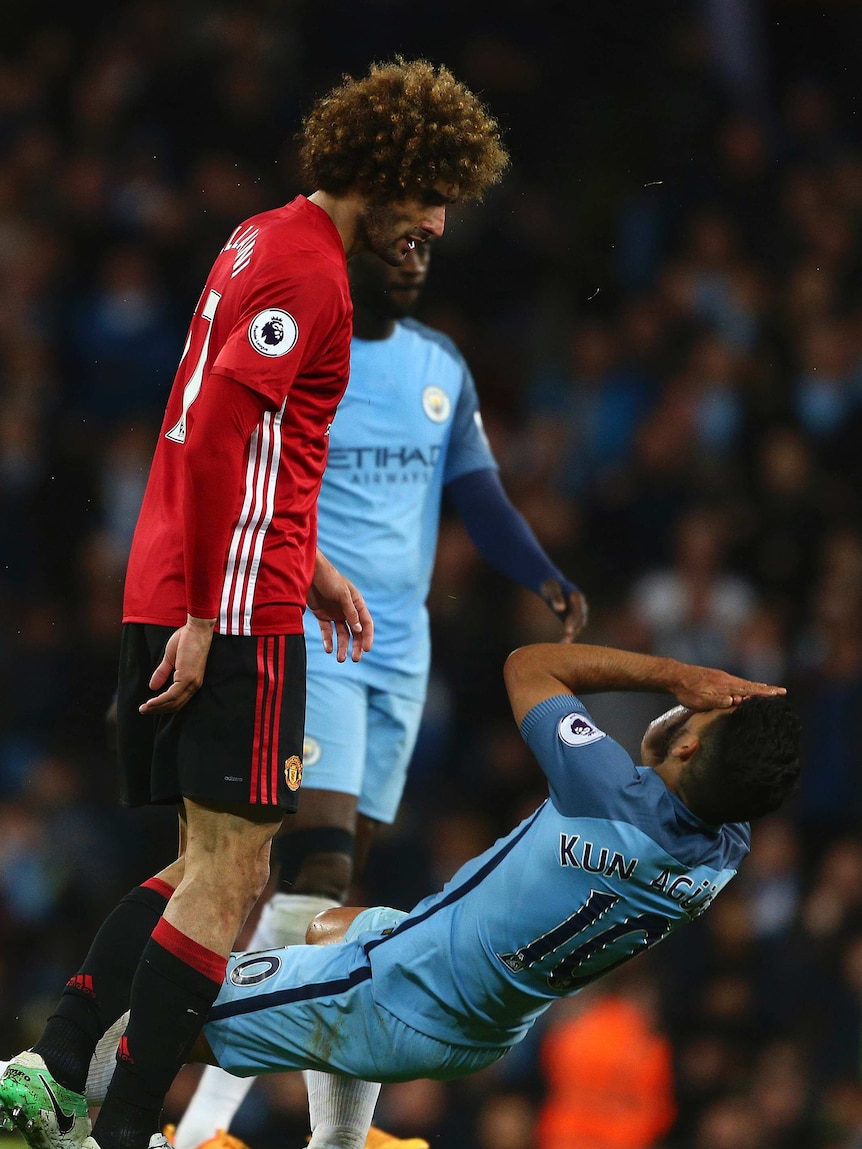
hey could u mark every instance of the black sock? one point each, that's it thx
(99, 993)
(170, 1002)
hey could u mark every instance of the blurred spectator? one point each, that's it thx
(782, 529)
(830, 682)
(696, 609)
(124, 342)
(772, 879)
(824, 399)
(732, 1122)
(608, 1072)
(584, 416)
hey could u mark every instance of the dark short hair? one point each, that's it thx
(400, 130)
(747, 763)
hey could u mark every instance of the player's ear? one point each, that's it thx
(686, 745)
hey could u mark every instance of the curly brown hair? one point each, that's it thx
(402, 129)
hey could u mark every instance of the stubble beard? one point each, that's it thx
(375, 228)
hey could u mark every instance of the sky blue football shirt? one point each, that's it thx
(408, 424)
(611, 863)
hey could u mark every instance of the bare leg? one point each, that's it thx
(225, 868)
(320, 875)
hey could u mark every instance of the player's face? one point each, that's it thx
(671, 754)
(387, 291)
(391, 230)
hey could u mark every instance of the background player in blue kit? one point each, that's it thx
(408, 427)
(617, 858)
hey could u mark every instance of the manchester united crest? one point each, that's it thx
(293, 772)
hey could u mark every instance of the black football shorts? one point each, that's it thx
(238, 741)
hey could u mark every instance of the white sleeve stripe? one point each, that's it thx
(272, 477)
(255, 517)
(224, 608)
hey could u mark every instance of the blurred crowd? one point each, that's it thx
(662, 309)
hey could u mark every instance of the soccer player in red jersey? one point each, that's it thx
(211, 696)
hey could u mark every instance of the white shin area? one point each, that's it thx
(285, 918)
(218, 1096)
(104, 1061)
(340, 1110)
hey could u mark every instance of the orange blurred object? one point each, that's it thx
(609, 1079)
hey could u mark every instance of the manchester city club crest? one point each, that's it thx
(293, 772)
(436, 404)
(310, 751)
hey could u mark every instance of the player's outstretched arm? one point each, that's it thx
(338, 606)
(506, 540)
(545, 670)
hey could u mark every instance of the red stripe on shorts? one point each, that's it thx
(258, 708)
(266, 743)
(281, 643)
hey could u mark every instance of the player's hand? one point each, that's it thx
(338, 606)
(183, 665)
(702, 688)
(571, 609)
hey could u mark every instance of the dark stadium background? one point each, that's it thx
(662, 309)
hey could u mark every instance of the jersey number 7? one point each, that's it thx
(192, 389)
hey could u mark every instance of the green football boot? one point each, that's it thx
(45, 1113)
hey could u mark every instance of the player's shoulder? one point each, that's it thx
(301, 231)
(563, 734)
(564, 717)
(430, 336)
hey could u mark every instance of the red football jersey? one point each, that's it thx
(228, 525)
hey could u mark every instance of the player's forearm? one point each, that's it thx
(587, 669)
(500, 532)
(536, 673)
(323, 568)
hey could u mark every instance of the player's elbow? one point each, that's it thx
(538, 670)
(516, 667)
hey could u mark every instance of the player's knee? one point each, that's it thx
(316, 861)
(257, 873)
(238, 873)
(330, 926)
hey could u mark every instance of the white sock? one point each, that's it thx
(285, 918)
(283, 922)
(218, 1096)
(340, 1110)
(104, 1061)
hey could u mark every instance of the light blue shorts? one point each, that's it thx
(358, 740)
(311, 1007)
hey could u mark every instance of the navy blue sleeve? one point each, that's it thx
(468, 449)
(500, 532)
(589, 774)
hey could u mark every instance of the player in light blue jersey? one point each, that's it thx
(408, 427)
(617, 858)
